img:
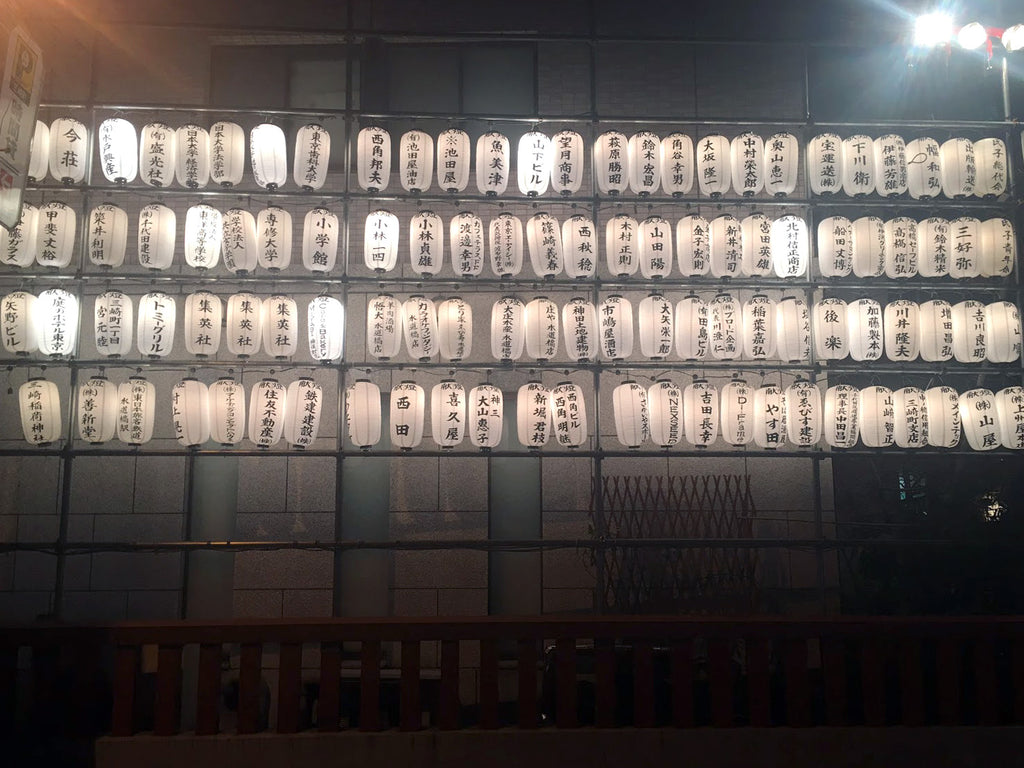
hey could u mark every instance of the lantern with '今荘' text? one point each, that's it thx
(69, 147)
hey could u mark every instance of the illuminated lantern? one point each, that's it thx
(901, 330)
(692, 328)
(737, 412)
(825, 164)
(759, 327)
(227, 411)
(203, 314)
(448, 413)
(978, 419)
(227, 153)
(579, 246)
(108, 235)
(157, 232)
(665, 408)
(615, 321)
(18, 246)
(700, 413)
(426, 243)
(965, 247)
(868, 247)
(380, 241)
(725, 246)
(992, 164)
(890, 165)
(238, 242)
(781, 164)
(611, 162)
(677, 164)
(911, 425)
(454, 329)
(419, 324)
(566, 162)
(279, 319)
(119, 150)
(204, 229)
(790, 246)
(858, 165)
(158, 145)
(320, 239)
(835, 246)
(266, 413)
(900, 248)
(933, 247)
(373, 158)
(840, 423)
(155, 331)
(312, 157)
(713, 160)
(533, 163)
(958, 167)
(405, 415)
(18, 323)
(544, 240)
(792, 329)
(190, 412)
(493, 163)
(757, 245)
(936, 318)
(506, 245)
(747, 161)
(998, 248)
(579, 322)
(326, 328)
(831, 332)
(136, 410)
(268, 151)
(943, 407)
(569, 415)
(273, 238)
(415, 161)
(113, 318)
(657, 327)
(466, 233)
(864, 322)
(1010, 417)
(1002, 332)
(39, 153)
(533, 415)
(39, 403)
(303, 406)
(55, 234)
(57, 322)
(620, 245)
(693, 246)
(924, 171)
(384, 326)
(453, 160)
(769, 417)
(244, 329)
(629, 408)
(644, 160)
(508, 329)
(192, 156)
(541, 328)
(726, 322)
(876, 417)
(69, 147)
(486, 416)
(803, 414)
(655, 248)
(363, 413)
(969, 337)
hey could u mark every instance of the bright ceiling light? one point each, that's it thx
(1013, 38)
(972, 36)
(933, 29)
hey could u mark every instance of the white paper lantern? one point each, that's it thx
(936, 319)
(1010, 417)
(803, 414)
(506, 245)
(227, 153)
(363, 413)
(39, 402)
(157, 231)
(611, 163)
(55, 234)
(190, 412)
(677, 164)
(508, 329)
(453, 160)
(405, 415)
(569, 415)
(615, 323)
(18, 245)
(244, 329)
(326, 328)
(566, 162)
(533, 415)
(747, 162)
(665, 407)
(204, 230)
(725, 246)
(992, 164)
(19, 324)
(533, 163)
(419, 324)
(911, 418)
(312, 157)
(781, 164)
(790, 246)
(303, 406)
(158, 152)
(268, 151)
(629, 408)
(39, 153)
(998, 248)
(320, 232)
(900, 248)
(113, 318)
(978, 419)
(274, 238)
(192, 156)
(415, 161)
(1002, 332)
(692, 328)
(136, 411)
(383, 326)
(267, 405)
(466, 232)
(933, 247)
(957, 167)
(57, 322)
(831, 332)
(825, 164)
(279, 320)
(203, 314)
(758, 327)
(713, 161)
(454, 329)
(970, 340)
(890, 165)
(579, 323)
(901, 330)
(726, 327)
(858, 165)
(426, 243)
(944, 426)
(965, 249)
(238, 243)
(493, 163)
(693, 245)
(540, 321)
(155, 331)
(227, 411)
(924, 171)
(700, 413)
(108, 235)
(657, 327)
(373, 158)
(69, 149)
(865, 324)
(644, 160)
(876, 417)
(544, 240)
(119, 150)
(579, 247)
(380, 241)
(757, 245)
(792, 329)
(485, 411)
(840, 421)
(868, 247)
(620, 245)
(769, 417)
(737, 408)
(448, 413)
(654, 246)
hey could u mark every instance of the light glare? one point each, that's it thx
(1013, 38)
(972, 36)
(933, 29)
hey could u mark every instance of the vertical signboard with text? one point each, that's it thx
(19, 98)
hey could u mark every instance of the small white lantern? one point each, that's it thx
(227, 411)
(726, 327)
(39, 153)
(759, 336)
(615, 321)
(831, 332)
(803, 414)
(57, 322)
(792, 329)
(933, 247)
(508, 329)
(268, 151)
(700, 413)
(1002, 332)
(380, 241)
(864, 321)
(693, 246)
(326, 328)
(227, 153)
(69, 148)
(108, 235)
(533, 163)
(540, 320)
(629, 408)
(876, 417)
(384, 326)
(620, 245)
(655, 248)
(113, 318)
(965, 249)
(415, 161)
(426, 243)
(279, 319)
(303, 406)
(533, 415)
(781, 164)
(157, 234)
(373, 158)
(900, 248)
(155, 332)
(858, 165)
(39, 402)
(203, 315)
(19, 323)
(924, 172)
(970, 340)
(405, 415)
(769, 417)
(998, 248)
(238, 243)
(190, 412)
(725, 246)
(978, 419)
(692, 328)
(453, 160)
(757, 245)
(677, 164)
(55, 234)
(448, 413)
(747, 161)
(579, 247)
(665, 406)
(644, 153)
(544, 240)
(911, 425)
(825, 164)
(579, 323)
(18, 245)
(713, 160)
(657, 327)
(569, 415)
(363, 413)
(192, 156)
(244, 329)
(790, 246)
(1010, 417)
(506, 245)
(868, 247)
(204, 230)
(312, 157)
(936, 319)
(320, 232)
(493, 163)
(158, 153)
(901, 330)
(840, 422)
(485, 410)
(944, 426)
(136, 411)
(566, 162)
(958, 167)
(611, 163)
(419, 323)
(119, 150)
(274, 238)
(890, 165)
(454, 329)
(737, 412)
(466, 233)
(992, 163)
(267, 405)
